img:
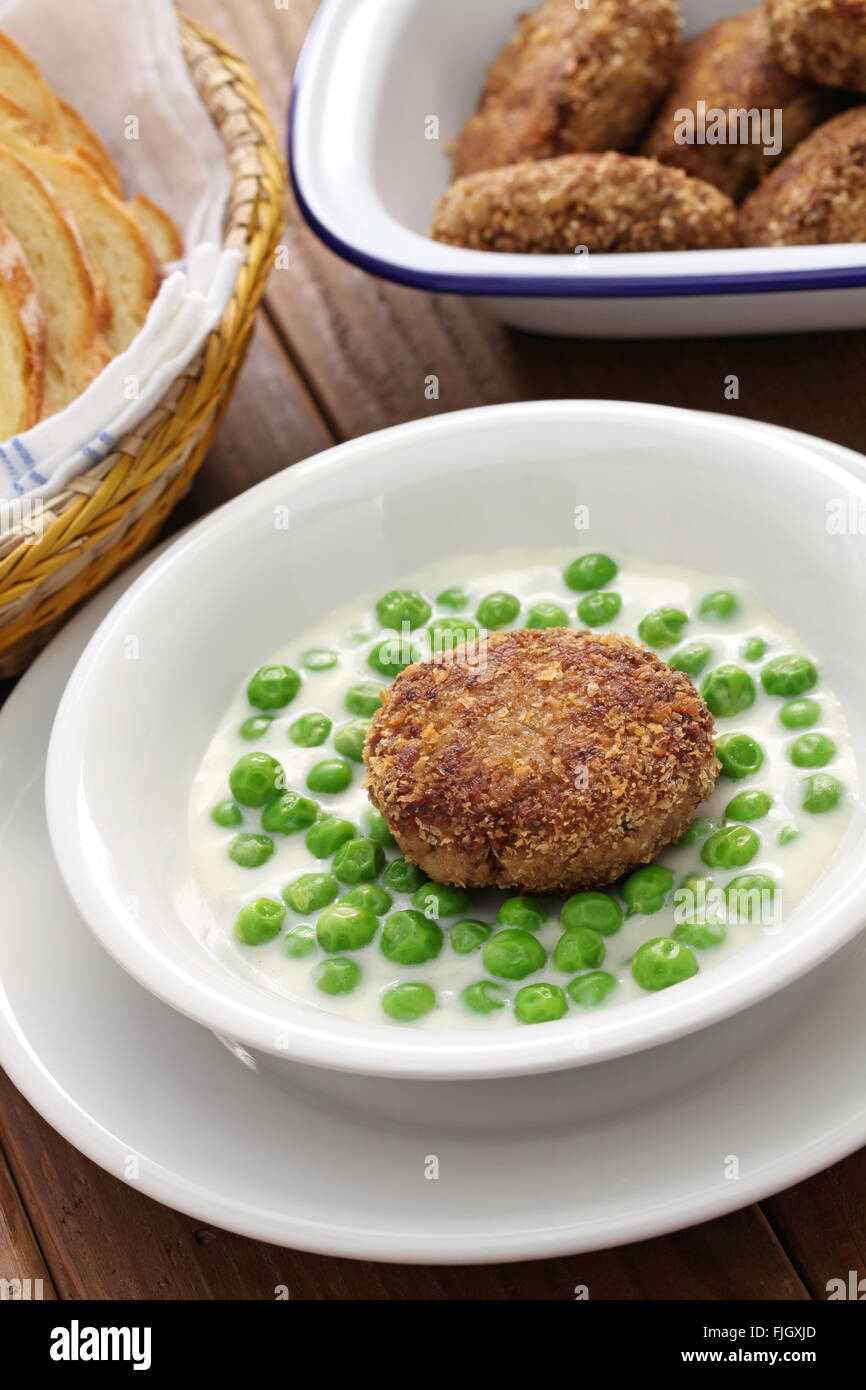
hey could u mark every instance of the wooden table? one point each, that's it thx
(338, 354)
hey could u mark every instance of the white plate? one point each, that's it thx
(125, 1079)
(371, 76)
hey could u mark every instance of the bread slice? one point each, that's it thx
(22, 82)
(58, 261)
(160, 229)
(82, 141)
(22, 340)
(119, 248)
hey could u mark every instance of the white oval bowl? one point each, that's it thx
(669, 485)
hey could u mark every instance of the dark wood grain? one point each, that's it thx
(22, 1267)
(337, 354)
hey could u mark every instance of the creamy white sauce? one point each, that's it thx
(534, 577)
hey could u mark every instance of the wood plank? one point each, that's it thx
(102, 1239)
(21, 1264)
(822, 1224)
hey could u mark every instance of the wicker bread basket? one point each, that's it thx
(106, 515)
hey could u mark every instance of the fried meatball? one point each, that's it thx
(547, 760)
(824, 40)
(573, 79)
(729, 68)
(605, 202)
(817, 194)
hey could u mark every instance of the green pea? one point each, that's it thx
(299, 942)
(376, 827)
(662, 962)
(597, 609)
(750, 898)
(452, 598)
(370, 896)
(484, 996)
(645, 890)
(513, 954)
(255, 727)
(410, 938)
(364, 698)
(540, 1003)
(691, 659)
(750, 805)
(273, 687)
(592, 989)
(409, 1001)
(448, 633)
(310, 892)
(289, 812)
(599, 911)
(345, 927)
(359, 861)
(800, 714)
(402, 606)
(392, 656)
(329, 776)
(310, 730)
(590, 572)
(527, 913)
(319, 659)
(325, 837)
(227, 814)
(812, 750)
(754, 649)
(543, 615)
(337, 976)
(739, 754)
(662, 627)
(251, 851)
(403, 877)
(731, 847)
(728, 690)
(468, 935)
(438, 900)
(788, 675)
(699, 923)
(822, 792)
(719, 604)
(259, 922)
(498, 610)
(255, 778)
(579, 948)
(701, 936)
(697, 831)
(349, 739)
(787, 834)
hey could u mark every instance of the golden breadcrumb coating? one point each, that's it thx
(553, 760)
(824, 40)
(573, 79)
(604, 202)
(818, 194)
(729, 67)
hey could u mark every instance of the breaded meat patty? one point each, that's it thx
(729, 68)
(824, 40)
(605, 202)
(550, 761)
(573, 79)
(817, 194)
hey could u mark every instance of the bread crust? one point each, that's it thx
(556, 760)
(818, 194)
(603, 202)
(823, 40)
(573, 79)
(22, 340)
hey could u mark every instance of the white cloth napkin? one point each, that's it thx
(120, 63)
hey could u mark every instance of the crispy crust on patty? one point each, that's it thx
(573, 79)
(730, 68)
(554, 760)
(818, 194)
(824, 40)
(605, 202)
